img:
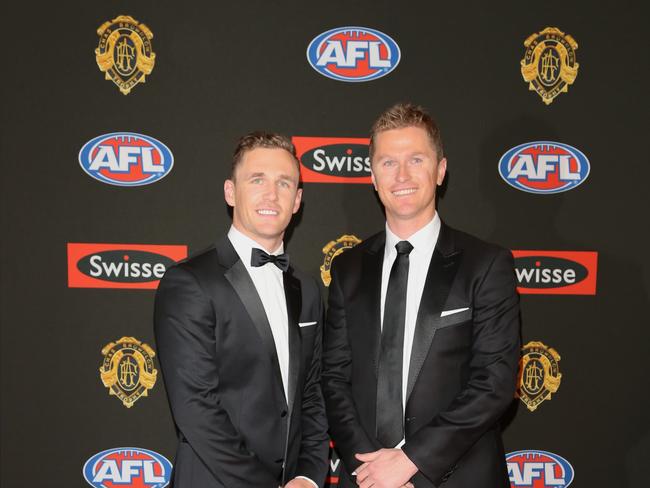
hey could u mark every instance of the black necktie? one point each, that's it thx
(390, 414)
(260, 258)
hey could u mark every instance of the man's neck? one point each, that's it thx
(405, 228)
(269, 245)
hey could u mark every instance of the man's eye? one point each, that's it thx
(388, 162)
(256, 181)
(417, 160)
(284, 184)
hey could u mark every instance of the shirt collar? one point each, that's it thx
(424, 240)
(244, 245)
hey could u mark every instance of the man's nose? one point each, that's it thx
(403, 171)
(271, 192)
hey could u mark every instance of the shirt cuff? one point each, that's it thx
(308, 479)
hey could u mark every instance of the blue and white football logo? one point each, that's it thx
(538, 469)
(353, 54)
(126, 159)
(127, 467)
(544, 167)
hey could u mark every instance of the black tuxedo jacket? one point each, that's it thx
(463, 364)
(217, 354)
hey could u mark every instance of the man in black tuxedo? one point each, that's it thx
(238, 331)
(422, 336)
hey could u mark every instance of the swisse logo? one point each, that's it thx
(120, 265)
(125, 266)
(353, 54)
(544, 167)
(556, 272)
(333, 160)
(538, 469)
(332, 478)
(126, 159)
(127, 467)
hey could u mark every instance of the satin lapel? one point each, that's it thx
(441, 274)
(241, 281)
(294, 304)
(370, 293)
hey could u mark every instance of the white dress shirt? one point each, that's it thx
(423, 242)
(269, 284)
(270, 287)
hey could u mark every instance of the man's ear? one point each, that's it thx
(297, 200)
(372, 178)
(442, 170)
(229, 192)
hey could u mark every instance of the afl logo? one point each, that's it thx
(544, 167)
(353, 54)
(126, 159)
(128, 467)
(538, 469)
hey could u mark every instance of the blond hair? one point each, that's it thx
(402, 115)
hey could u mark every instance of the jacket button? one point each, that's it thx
(283, 413)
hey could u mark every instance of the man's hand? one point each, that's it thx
(299, 483)
(385, 468)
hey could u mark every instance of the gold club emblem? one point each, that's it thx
(539, 374)
(124, 52)
(333, 249)
(549, 65)
(128, 370)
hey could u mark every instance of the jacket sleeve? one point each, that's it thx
(184, 322)
(437, 446)
(314, 448)
(345, 428)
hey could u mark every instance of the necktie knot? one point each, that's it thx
(404, 247)
(260, 258)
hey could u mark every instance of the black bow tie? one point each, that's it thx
(260, 258)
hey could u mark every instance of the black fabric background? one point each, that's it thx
(225, 68)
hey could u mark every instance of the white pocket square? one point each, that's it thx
(306, 324)
(451, 312)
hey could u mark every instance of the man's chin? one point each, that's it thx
(404, 212)
(270, 231)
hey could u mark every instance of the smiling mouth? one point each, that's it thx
(266, 211)
(404, 192)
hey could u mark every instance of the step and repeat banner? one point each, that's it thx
(119, 122)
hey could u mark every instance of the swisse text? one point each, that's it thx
(125, 266)
(547, 272)
(333, 159)
(556, 272)
(340, 163)
(339, 159)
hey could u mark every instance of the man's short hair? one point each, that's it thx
(402, 115)
(257, 139)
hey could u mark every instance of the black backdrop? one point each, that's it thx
(225, 68)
